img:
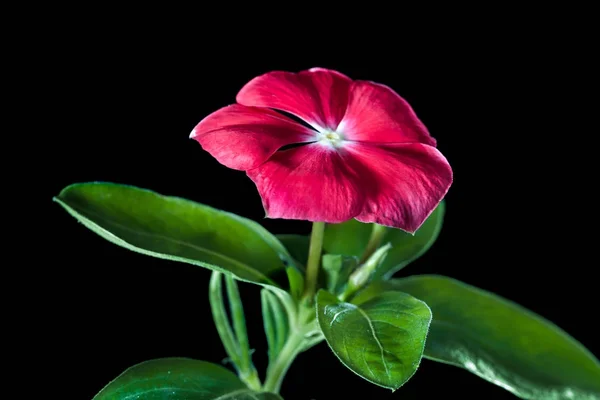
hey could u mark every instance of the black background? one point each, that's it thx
(504, 110)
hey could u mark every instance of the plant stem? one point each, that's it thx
(314, 258)
(277, 370)
(303, 333)
(252, 380)
(377, 234)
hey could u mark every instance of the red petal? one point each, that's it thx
(241, 137)
(378, 114)
(312, 182)
(404, 184)
(318, 96)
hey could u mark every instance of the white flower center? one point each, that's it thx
(330, 138)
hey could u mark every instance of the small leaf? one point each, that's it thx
(176, 229)
(382, 341)
(296, 282)
(221, 319)
(269, 324)
(499, 340)
(337, 269)
(350, 238)
(275, 323)
(179, 379)
(297, 246)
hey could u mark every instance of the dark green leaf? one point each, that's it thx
(351, 238)
(297, 245)
(499, 340)
(176, 229)
(179, 379)
(337, 269)
(382, 340)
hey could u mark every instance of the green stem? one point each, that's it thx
(302, 329)
(377, 234)
(314, 258)
(252, 380)
(277, 370)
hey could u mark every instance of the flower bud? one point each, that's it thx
(362, 276)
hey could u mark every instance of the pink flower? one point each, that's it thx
(367, 155)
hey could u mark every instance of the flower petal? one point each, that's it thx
(242, 138)
(404, 184)
(376, 113)
(319, 96)
(312, 182)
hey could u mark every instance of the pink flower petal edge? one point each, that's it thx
(242, 138)
(405, 182)
(330, 101)
(310, 183)
(318, 96)
(376, 113)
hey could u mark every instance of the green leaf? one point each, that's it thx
(382, 340)
(499, 340)
(406, 248)
(337, 269)
(350, 238)
(297, 245)
(179, 379)
(176, 229)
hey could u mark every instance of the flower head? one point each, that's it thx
(362, 154)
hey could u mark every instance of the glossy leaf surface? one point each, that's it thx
(179, 379)
(176, 229)
(499, 340)
(381, 340)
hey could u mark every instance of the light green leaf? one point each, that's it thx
(179, 379)
(296, 282)
(176, 229)
(499, 340)
(350, 238)
(275, 323)
(382, 340)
